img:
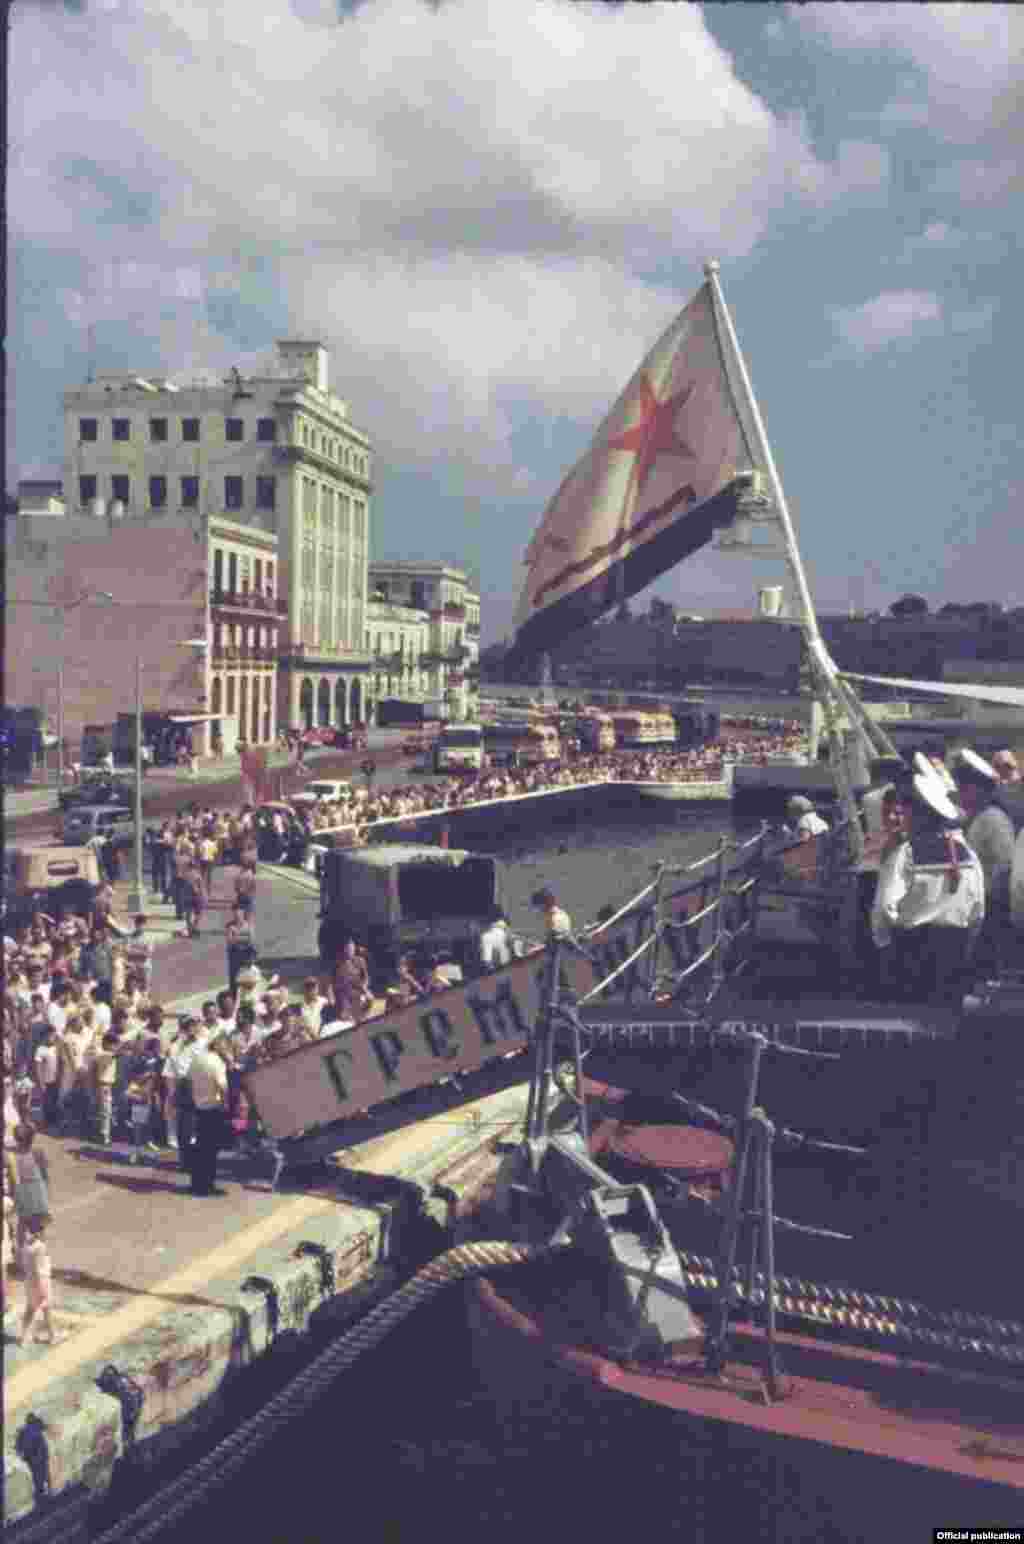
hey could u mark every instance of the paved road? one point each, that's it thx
(34, 810)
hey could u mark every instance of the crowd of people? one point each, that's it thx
(361, 806)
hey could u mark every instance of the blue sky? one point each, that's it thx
(488, 212)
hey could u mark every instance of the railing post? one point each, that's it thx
(717, 966)
(652, 969)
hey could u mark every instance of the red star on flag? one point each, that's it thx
(655, 434)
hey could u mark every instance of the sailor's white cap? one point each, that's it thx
(930, 792)
(972, 768)
(799, 805)
(927, 768)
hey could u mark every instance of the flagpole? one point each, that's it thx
(877, 740)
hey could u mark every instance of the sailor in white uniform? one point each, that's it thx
(991, 835)
(930, 902)
(884, 772)
(807, 823)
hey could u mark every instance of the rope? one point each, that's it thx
(229, 1457)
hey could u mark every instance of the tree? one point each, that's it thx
(909, 606)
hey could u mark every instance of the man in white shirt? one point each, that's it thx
(495, 945)
(57, 1010)
(990, 833)
(177, 1067)
(208, 1075)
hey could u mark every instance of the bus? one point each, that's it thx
(459, 748)
(596, 731)
(523, 743)
(639, 730)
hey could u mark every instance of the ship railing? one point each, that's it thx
(719, 898)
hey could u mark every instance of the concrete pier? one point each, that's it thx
(182, 1293)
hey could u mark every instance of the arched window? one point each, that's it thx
(215, 694)
(355, 703)
(306, 703)
(323, 703)
(340, 701)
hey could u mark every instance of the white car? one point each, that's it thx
(323, 790)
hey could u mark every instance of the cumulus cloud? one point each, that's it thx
(465, 202)
(970, 56)
(891, 317)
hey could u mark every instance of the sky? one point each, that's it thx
(488, 212)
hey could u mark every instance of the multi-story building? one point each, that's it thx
(98, 610)
(453, 609)
(245, 615)
(398, 638)
(276, 453)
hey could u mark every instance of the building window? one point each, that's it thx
(158, 430)
(86, 490)
(218, 569)
(233, 429)
(266, 429)
(232, 493)
(229, 706)
(88, 430)
(305, 433)
(121, 488)
(257, 576)
(189, 492)
(190, 428)
(233, 571)
(270, 578)
(157, 492)
(122, 428)
(266, 492)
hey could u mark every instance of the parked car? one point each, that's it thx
(323, 790)
(85, 824)
(50, 878)
(97, 788)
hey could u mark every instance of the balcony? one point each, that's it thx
(248, 600)
(233, 658)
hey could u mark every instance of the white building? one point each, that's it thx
(398, 639)
(453, 609)
(275, 453)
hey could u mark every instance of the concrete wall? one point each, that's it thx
(157, 572)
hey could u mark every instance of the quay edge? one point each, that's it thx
(188, 1361)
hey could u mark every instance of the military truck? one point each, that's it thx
(406, 898)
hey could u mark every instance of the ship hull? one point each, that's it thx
(846, 1462)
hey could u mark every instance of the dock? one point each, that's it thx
(179, 1294)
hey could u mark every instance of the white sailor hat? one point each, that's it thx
(930, 792)
(927, 768)
(972, 768)
(799, 805)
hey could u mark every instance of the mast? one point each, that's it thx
(833, 691)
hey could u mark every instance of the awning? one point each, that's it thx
(197, 718)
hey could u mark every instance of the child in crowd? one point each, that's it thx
(104, 1072)
(30, 1175)
(139, 1094)
(37, 1269)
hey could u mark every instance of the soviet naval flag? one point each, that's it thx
(653, 487)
